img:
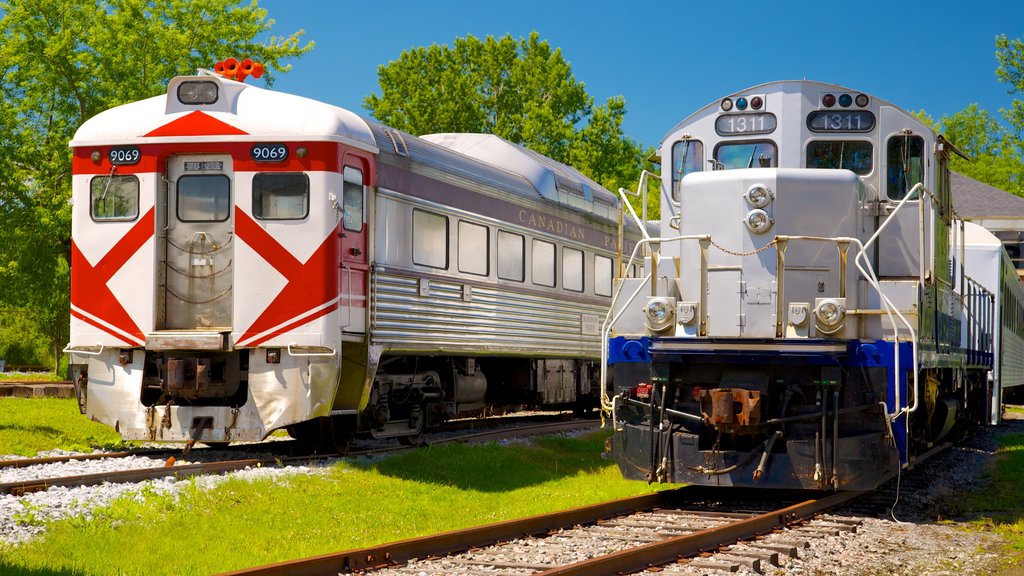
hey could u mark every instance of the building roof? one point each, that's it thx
(975, 200)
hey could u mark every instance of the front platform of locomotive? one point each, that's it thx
(206, 296)
(755, 354)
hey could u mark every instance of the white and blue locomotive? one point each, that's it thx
(809, 320)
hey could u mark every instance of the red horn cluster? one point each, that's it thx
(235, 70)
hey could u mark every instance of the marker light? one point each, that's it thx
(845, 100)
(659, 311)
(726, 104)
(828, 100)
(758, 196)
(197, 92)
(862, 100)
(756, 102)
(830, 312)
(741, 103)
(758, 221)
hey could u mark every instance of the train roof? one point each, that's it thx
(245, 113)
(241, 112)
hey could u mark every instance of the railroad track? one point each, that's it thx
(665, 530)
(181, 470)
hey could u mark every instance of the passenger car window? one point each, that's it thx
(114, 198)
(352, 199)
(543, 263)
(429, 239)
(474, 248)
(280, 196)
(511, 252)
(602, 276)
(572, 269)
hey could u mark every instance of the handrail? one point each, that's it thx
(331, 352)
(69, 350)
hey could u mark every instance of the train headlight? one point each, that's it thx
(830, 311)
(686, 312)
(198, 92)
(758, 195)
(758, 221)
(659, 311)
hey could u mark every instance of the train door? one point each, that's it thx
(903, 165)
(354, 258)
(197, 244)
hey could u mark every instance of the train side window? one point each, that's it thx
(572, 269)
(602, 276)
(280, 195)
(904, 165)
(474, 248)
(114, 198)
(760, 154)
(511, 256)
(204, 198)
(352, 199)
(687, 156)
(853, 155)
(429, 239)
(543, 263)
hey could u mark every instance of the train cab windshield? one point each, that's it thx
(746, 155)
(853, 155)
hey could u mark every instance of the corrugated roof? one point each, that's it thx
(974, 199)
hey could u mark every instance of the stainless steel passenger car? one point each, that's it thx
(246, 260)
(808, 320)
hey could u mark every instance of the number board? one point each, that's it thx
(124, 155)
(743, 124)
(841, 121)
(269, 152)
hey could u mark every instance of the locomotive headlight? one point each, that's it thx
(686, 312)
(830, 311)
(197, 92)
(659, 311)
(758, 196)
(758, 221)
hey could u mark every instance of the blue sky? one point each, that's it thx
(670, 58)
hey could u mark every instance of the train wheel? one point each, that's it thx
(341, 430)
(419, 417)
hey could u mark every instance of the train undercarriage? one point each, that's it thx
(800, 422)
(219, 397)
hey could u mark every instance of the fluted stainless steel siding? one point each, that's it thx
(494, 321)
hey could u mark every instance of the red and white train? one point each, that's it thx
(245, 260)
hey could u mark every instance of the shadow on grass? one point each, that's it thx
(31, 429)
(15, 570)
(497, 468)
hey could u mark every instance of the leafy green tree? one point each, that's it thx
(1010, 55)
(995, 154)
(522, 90)
(63, 61)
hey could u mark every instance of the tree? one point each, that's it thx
(995, 154)
(63, 61)
(521, 90)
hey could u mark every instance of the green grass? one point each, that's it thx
(358, 504)
(999, 506)
(31, 425)
(1014, 409)
(29, 377)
